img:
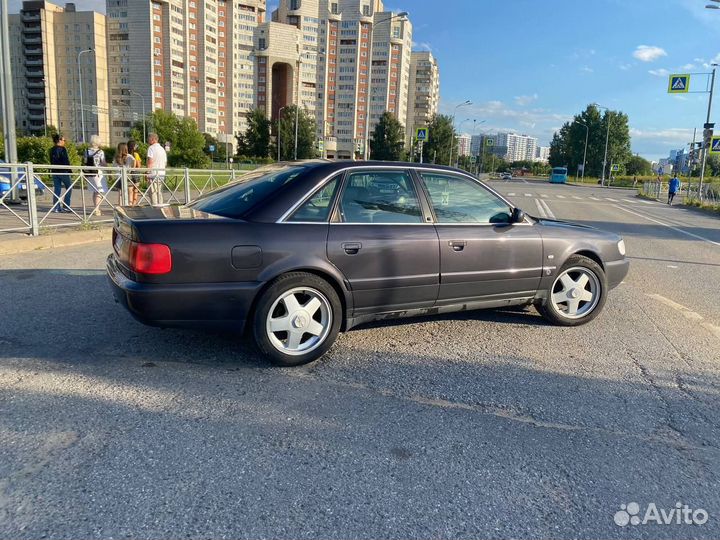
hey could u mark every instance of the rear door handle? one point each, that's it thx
(352, 248)
(457, 245)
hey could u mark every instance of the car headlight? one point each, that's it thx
(621, 247)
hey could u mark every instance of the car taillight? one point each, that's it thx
(150, 258)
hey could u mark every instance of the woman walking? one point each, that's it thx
(134, 185)
(124, 160)
(94, 158)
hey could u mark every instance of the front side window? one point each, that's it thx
(380, 197)
(317, 208)
(456, 199)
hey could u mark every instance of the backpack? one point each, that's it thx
(91, 163)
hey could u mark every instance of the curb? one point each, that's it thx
(64, 239)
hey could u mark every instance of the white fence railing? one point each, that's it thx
(89, 195)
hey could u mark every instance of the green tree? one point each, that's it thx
(442, 138)
(568, 144)
(34, 149)
(307, 145)
(187, 143)
(638, 166)
(388, 139)
(255, 142)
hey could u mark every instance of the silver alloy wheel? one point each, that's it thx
(575, 293)
(299, 321)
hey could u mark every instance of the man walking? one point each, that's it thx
(673, 188)
(156, 162)
(60, 178)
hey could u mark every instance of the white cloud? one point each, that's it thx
(688, 66)
(662, 72)
(587, 69)
(667, 135)
(625, 67)
(648, 53)
(525, 100)
(423, 46)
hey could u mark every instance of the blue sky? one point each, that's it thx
(529, 65)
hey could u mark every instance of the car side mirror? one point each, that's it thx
(517, 216)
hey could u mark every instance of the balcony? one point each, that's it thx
(30, 16)
(29, 51)
(37, 117)
(34, 62)
(37, 93)
(32, 40)
(35, 84)
(34, 73)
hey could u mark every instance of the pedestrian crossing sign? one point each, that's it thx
(489, 142)
(679, 84)
(715, 145)
(615, 167)
(421, 134)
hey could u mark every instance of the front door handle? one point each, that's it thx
(457, 245)
(352, 248)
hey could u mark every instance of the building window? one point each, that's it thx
(334, 8)
(294, 4)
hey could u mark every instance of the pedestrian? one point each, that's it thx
(673, 188)
(124, 160)
(134, 178)
(156, 163)
(59, 156)
(94, 158)
(634, 181)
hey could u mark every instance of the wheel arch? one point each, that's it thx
(590, 254)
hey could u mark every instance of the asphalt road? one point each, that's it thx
(488, 424)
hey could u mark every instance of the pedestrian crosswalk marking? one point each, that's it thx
(543, 195)
(561, 196)
(511, 194)
(594, 198)
(576, 197)
(609, 199)
(528, 194)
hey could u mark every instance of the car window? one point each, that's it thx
(380, 197)
(236, 198)
(456, 199)
(317, 207)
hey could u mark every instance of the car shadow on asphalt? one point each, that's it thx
(651, 230)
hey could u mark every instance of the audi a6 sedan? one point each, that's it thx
(300, 251)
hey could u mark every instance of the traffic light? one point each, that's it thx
(707, 134)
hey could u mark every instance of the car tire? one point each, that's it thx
(297, 303)
(579, 302)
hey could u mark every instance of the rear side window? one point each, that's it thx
(317, 208)
(380, 197)
(235, 199)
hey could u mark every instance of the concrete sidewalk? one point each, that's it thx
(12, 244)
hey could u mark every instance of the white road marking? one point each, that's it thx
(668, 226)
(543, 195)
(540, 209)
(671, 266)
(646, 202)
(561, 196)
(594, 198)
(528, 194)
(628, 201)
(609, 199)
(576, 197)
(687, 313)
(547, 210)
(511, 194)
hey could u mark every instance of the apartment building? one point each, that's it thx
(424, 91)
(48, 45)
(542, 154)
(190, 57)
(345, 61)
(518, 147)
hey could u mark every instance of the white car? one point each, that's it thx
(506, 176)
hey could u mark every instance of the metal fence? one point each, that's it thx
(691, 191)
(93, 192)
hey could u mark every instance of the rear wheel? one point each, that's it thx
(297, 319)
(578, 293)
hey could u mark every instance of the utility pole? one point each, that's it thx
(8, 102)
(707, 121)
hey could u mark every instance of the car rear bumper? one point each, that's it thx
(208, 305)
(615, 271)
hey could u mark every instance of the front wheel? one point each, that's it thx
(297, 319)
(578, 293)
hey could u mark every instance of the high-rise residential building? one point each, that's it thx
(542, 154)
(353, 61)
(480, 144)
(464, 144)
(518, 147)
(190, 57)
(424, 91)
(48, 43)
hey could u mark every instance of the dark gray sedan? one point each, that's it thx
(301, 251)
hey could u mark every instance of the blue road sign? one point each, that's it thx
(421, 134)
(679, 84)
(715, 145)
(211, 147)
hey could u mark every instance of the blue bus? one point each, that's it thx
(558, 175)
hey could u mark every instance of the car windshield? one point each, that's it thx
(234, 199)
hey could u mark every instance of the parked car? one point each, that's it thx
(6, 182)
(506, 176)
(301, 251)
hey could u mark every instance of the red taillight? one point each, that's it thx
(150, 258)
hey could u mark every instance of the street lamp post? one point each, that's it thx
(452, 133)
(607, 140)
(278, 130)
(457, 158)
(587, 136)
(82, 111)
(399, 15)
(134, 93)
(706, 150)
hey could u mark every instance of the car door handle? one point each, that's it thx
(457, 245)
(352, 248)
